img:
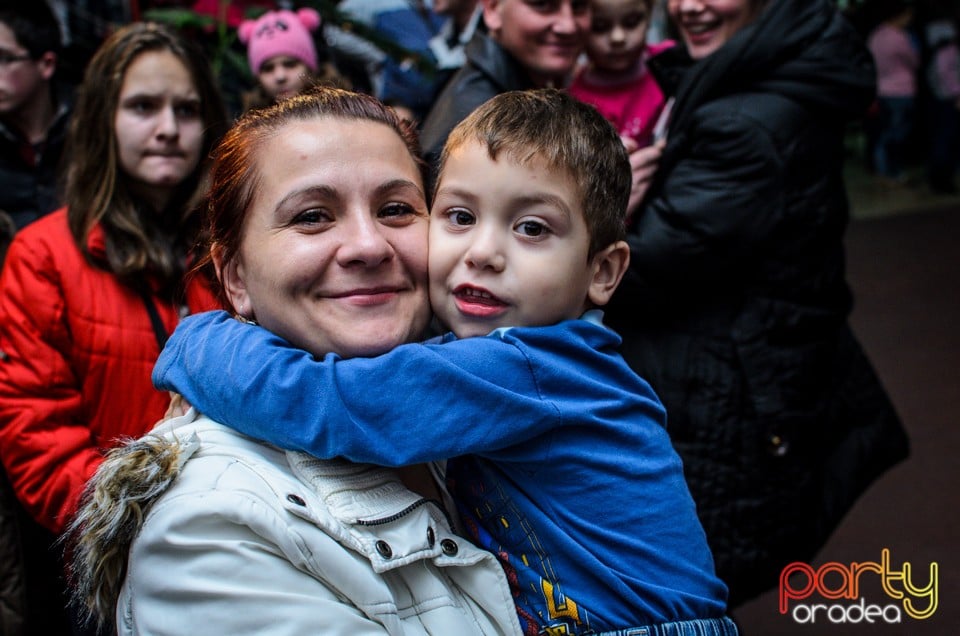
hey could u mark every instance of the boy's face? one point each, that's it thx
(508, 244)
(22, 79)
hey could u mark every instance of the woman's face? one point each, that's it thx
(705, 25)
(283, 76)
(333, 256)
(545, 36)
(158, 125)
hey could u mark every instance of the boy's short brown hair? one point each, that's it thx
(569, 135)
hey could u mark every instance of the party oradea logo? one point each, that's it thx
(865, 592)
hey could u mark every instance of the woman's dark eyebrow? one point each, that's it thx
(324, 191)
(398, 184)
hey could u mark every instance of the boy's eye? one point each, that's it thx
(461, 217)
(531, 228)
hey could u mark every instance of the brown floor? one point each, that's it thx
(904, 266)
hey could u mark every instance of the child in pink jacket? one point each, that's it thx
(616, 80)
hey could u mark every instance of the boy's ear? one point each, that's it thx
(231, 276)
(609, 265)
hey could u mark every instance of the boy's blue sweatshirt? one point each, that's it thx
(558, 455)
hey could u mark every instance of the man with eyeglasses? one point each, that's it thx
(33, 121)
(33, 113)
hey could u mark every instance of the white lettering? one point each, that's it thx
(838, 616)
(853, 613)
(897, 618)
(855, 607)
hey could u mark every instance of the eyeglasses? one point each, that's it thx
(6, 59)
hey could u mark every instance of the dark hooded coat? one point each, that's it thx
(735, 306)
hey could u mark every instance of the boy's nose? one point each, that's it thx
(485, 252)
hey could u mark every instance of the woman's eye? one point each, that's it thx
(396, 210)
(187, 111)
(141, 106)
(313, 216)
(531, 228)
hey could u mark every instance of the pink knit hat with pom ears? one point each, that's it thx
(280, 33)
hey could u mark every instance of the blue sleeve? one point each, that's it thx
(419, 402)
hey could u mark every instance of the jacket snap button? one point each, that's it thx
(449, 547)
(431, 537)
(384, 549)
(296, 499)
(778, 446)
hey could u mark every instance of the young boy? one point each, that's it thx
(560, 462)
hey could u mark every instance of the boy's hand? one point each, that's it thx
(643, 165)
(178, 406)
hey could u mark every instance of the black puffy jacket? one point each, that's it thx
(735, 307)
(30, 184)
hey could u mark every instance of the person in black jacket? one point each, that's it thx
(524, 45)
(735, 307)
(34, 111)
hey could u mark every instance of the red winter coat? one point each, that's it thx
(76, 352)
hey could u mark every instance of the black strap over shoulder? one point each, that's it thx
(159, 330)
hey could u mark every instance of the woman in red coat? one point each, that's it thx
(90, 292)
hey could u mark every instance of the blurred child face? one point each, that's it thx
(706, 25)
(158, 125)
(22, 79)
(618, 34)
(283, 76)
(333, 256)
(508, 244)
(545, 36)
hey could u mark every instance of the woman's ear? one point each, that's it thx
(609, 265)
(231, 276)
